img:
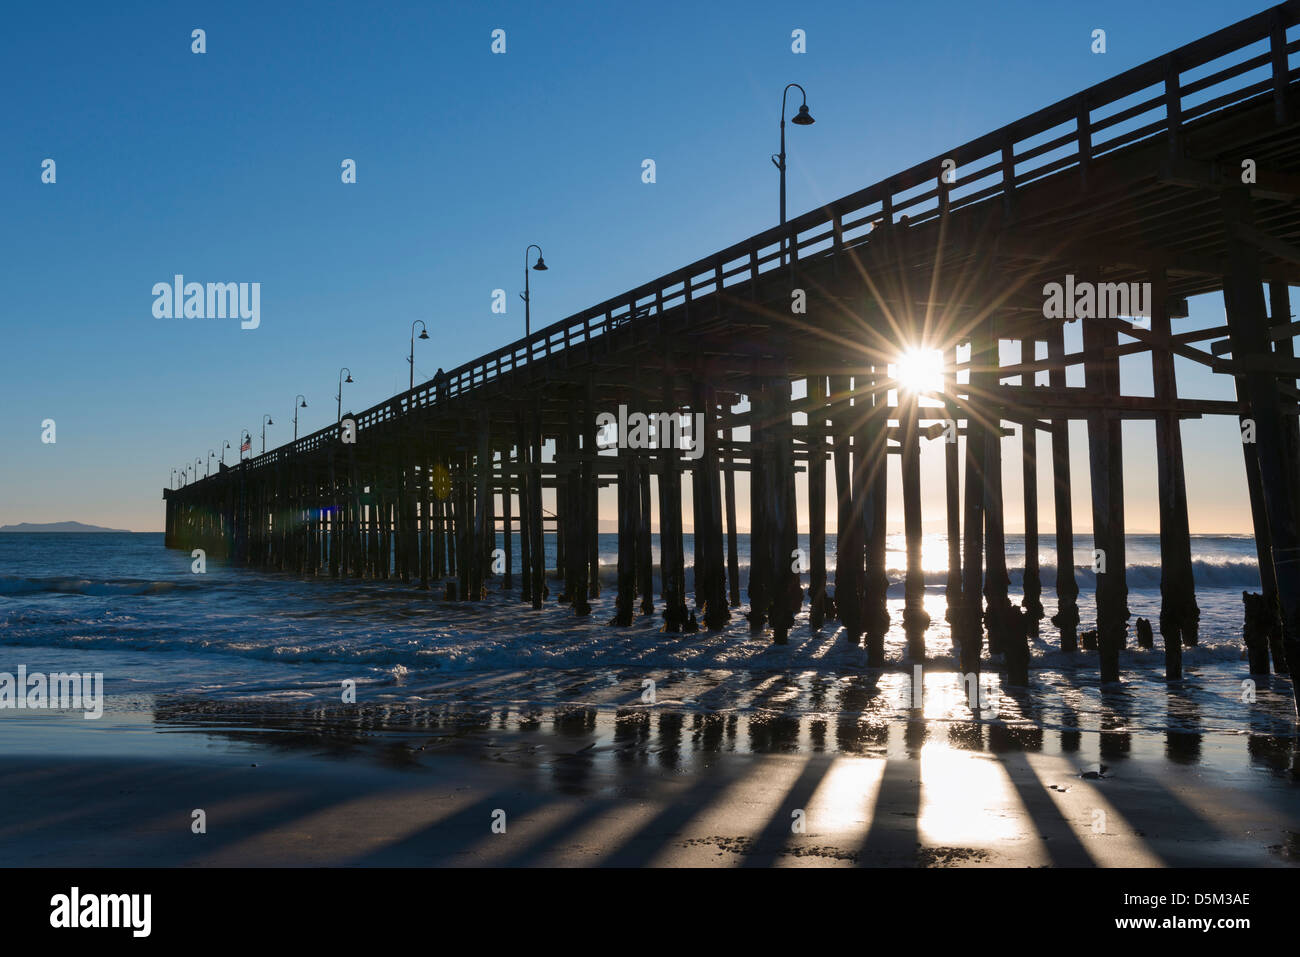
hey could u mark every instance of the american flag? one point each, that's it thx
(247, 444)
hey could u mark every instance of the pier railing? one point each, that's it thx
(1156, 99)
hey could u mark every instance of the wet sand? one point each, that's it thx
(656, 787)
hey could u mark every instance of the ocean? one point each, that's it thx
(242, 641)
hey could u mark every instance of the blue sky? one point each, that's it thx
(225, 167)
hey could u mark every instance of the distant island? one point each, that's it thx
(58, 527)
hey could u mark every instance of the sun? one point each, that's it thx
(920, 370)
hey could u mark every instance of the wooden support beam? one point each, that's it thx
(915, 617)
(441, 559)
(590, 489)
(781, 511)
(733, 552)
(1202, 174)
(1004, 623)
(535, 442)
(710, 573)
(644, 555)
(424, 498)
(1031, 582)
(952, 489)
(507, 519)
(523, 458)
(761, 576)
(578, 551)
(699, 502)
(970, 635)
(1079, 402)
(1247, 319)
(848, 536)
(671, 557)
(1146, 336)
(817, 502)
(629, 507)
(1178, 612)
(1105, 456)
(1280, 328)
(484, 527)
(872, 441)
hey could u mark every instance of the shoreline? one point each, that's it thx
(607, 746)
(658, 788)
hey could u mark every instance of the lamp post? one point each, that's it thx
(207, 466)
(224, 445)
(802, 118)
(266, 420)
(297, 399)
(173, 478)
(424, 334)
(340, 395)
(198, 461)
(247, 437)
(540, 266)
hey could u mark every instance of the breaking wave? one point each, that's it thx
(13, 586)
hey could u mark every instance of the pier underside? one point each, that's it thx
(1109, 209)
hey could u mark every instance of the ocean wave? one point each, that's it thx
(1207, 573)
(564, 642)
(269, 649)
(12, 586)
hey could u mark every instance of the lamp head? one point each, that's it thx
(540, 266)
(803, 117)
(424, 334)
(348, 379)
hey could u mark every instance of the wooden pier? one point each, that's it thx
(1177, 178)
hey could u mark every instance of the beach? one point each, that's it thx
(492, 735)
(642, 789)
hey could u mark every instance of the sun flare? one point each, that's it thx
(920, 370)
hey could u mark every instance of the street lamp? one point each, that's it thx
(207, 466)
(540, 266)
(802, 118)
(173, 478)
(340, 395)
(197, 462)
(246, 440)
(225, 445)
(297, 398)
(266, 420)
(424, 334)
